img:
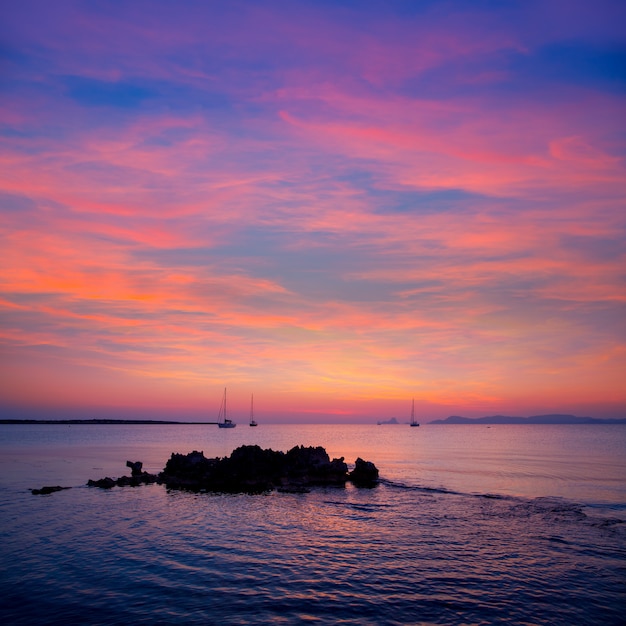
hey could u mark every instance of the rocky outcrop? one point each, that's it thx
(137, 477)
(135, 467)
(364, 474)
(250, 469)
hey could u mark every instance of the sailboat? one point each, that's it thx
(252, 421)
(222, 420)
(413, 422)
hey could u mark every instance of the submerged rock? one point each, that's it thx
(44, 491)
(103, 483)
(249, 469)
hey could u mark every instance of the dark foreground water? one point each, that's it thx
(512, 524)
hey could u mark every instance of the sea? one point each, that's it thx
(470, 524)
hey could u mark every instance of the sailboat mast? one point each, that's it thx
(252, 422)
(223, 420)
(413, 422)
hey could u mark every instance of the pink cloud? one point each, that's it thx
(322, 230)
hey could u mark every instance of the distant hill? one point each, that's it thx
(534, 419)
(392, 420)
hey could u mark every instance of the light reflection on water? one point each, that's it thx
(403, 552)
(583, 463)
(386, 555)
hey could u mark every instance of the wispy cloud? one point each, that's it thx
(339, 207)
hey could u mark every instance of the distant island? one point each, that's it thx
(534, 419)
(391, 420)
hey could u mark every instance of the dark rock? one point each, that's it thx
(44, 491)
(293, 489)
(364, 474)
(253, 470)
(135, 467)
(124, 481)
(312, 466)
(103, 483)
(135, 480)
(249, 469)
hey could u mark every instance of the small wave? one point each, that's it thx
(548, 507)
(423, 489)
(492, 496)
(608, 522)
(369, 507)
(555, 539)
(399, 485)
(560, 507)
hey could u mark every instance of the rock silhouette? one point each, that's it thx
(135, 467)
(250, 469)
(364, 474)
(44, 491)
(137, 477)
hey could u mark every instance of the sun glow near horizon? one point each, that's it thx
(338, 208)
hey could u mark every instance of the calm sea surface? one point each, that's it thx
(470, 525)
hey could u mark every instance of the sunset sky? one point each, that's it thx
(335, 205)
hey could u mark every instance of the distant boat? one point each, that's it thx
(413, 422)
(252, 422)
(222, 420)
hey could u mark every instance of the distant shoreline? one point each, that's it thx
(452, 420)
(554, 419)
(99, 421)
